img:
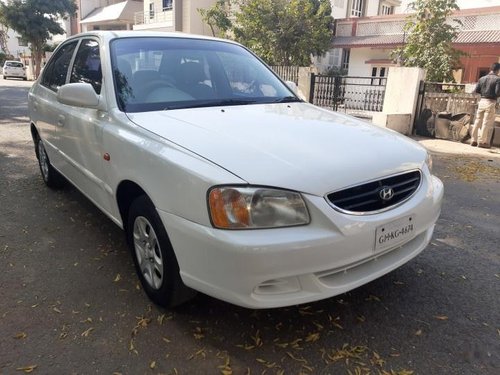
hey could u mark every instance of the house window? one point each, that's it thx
(379, 72)
(151, 10)
(334, 57)
(386, 9)
(357, 8)
(345, 59)
(167, 4)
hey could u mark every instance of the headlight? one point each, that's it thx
(234, 207)
(428, 161)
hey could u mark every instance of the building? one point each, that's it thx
(173, 15)
(103, 15)
(337, 57)
(363, 45)
(14, 44)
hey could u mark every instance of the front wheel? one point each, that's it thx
(51, 177)
(154, 257)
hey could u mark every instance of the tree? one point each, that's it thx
(285, 32)
(429, 39)
(217, 17)
(282, 32)
(35, 21)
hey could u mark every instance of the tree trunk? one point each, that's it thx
(38, 55)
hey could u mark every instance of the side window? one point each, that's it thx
(87, 65)
(54, 74)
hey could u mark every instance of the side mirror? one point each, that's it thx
(78, 95)
(292, 86)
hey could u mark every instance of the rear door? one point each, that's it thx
(44, 109)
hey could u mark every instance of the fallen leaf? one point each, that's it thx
(86, 333)
(117, 278)
(313, 337)
(441, 317)
(20, 335)
(27, 369)
(372, 298)
(57, 310)
(418, 333)
(301, 359)
(152, 365)
(256, 339)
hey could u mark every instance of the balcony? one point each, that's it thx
(165, 17)
(476, 26)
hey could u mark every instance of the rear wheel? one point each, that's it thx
(51, 177)
(154, 257)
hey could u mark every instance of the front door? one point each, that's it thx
(80, 134)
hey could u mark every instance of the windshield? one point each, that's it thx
(14, 64)
(159, 73)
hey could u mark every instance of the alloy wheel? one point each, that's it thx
(148, 252)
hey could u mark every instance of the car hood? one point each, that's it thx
(294, 146)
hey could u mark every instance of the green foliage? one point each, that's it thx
(35, 21)
(429, 39)
(335, 71)
(285, 32)
(3, 57)
(282, 32)
(217, 17)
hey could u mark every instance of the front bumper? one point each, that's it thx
(288, 266)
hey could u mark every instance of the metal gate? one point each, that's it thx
(348, 93)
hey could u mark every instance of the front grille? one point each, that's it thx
(378, 195)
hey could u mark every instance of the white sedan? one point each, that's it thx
(224, 181)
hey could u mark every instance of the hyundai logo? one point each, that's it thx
(386, 193)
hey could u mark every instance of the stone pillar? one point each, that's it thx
(400, 100)
(304, 86)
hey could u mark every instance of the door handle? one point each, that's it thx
(60, 120)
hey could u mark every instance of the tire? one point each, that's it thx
(154, 257)
(52, 178)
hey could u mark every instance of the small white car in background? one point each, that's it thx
(224, 181)
(14, 69)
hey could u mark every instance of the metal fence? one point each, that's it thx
(446, 97)
(287, 73)
(348, 93)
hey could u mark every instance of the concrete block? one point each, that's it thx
(400, 122)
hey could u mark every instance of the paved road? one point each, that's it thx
(70, 301)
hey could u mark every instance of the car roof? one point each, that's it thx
(106, 35)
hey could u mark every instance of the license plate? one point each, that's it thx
(394, 233)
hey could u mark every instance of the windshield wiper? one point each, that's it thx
(210, 103)
(287, 99)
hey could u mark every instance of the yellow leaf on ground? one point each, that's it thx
(27, 369)
(86, 333)
(20, 335)
(117, 278)
(152, 365)
(441, 317)
(312, 337)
